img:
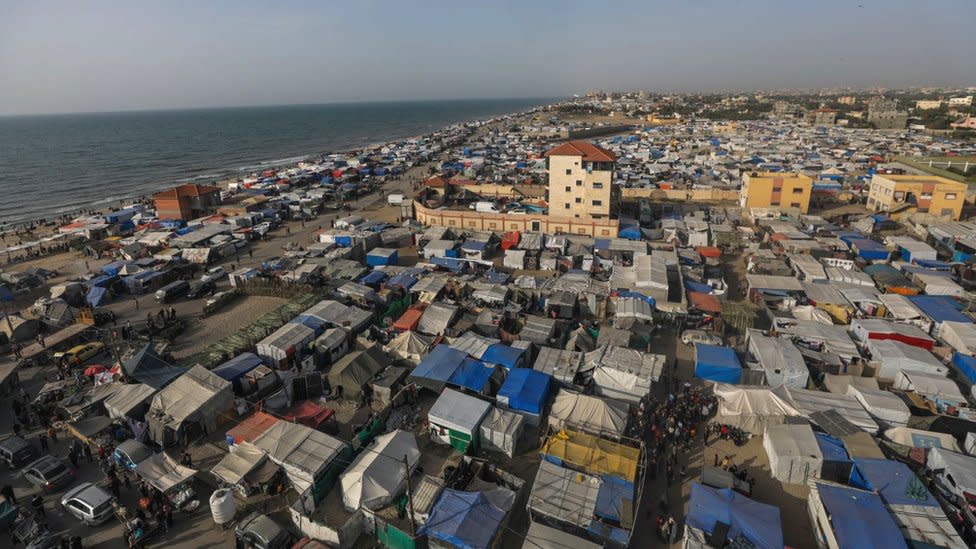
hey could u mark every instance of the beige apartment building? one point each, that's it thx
(786, 191)
(580, 181)
(931, 194)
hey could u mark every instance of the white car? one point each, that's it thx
(88, 503)
(692, 337)
(213, 274)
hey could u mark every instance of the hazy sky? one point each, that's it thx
(95, 55)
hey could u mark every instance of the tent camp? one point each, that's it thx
(889, 356)
(163, 472)
(129, 401)
(809, 402)
(710, 510)
(378, 474)
(352, 372)
(779, 359)
(189, 406)
(500, 431)
(956, 473)
(470, 520)
(437, 367)
(590, 413)
(752, 408)
(312, 459)
(622, 373)
(525, 391)
(918, 438)
(146, 366)
(716, 363)
(541, 536)
(961, 336)
(240, 462)
(561, 364)
(794, 455)
(455, 418)
(839, 515)
(884, 406)
(285, 345)
(593, 455)
(564, 495)
(409, 346)
(934, 386)
(838, 383)
(437, 318)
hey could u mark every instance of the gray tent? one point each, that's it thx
(189, 406)
(500, 431)
(355, 370)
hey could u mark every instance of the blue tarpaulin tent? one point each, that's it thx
(632, 232)
(439, 365)
(499, 353)
(372, 278)
(831, 448)
(472, 374)
(449, 263)
(966, 365)
(467, 520)
(892, 480)
(610, 499)
(495, 277)
(757, 522)
(869, 250)
(636, 295)
(95, 296)
(402, 280)
(525, 390)
(851, 511)
(311, 321)
(940, 308)
(717, 364)
(234, 369)
(693, 286)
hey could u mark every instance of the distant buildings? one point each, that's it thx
(928, 104)
(186, 202)
(934, 195)
(821, 117)
(884, 114)
(580, 181)
(968, 123)
(776, 190)
(961, 101)
(847, 100)
(785, 109)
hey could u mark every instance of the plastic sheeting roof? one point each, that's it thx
(439, 365)
(563, 494)
(893, 480)
(717, 363)
(752, 408)
(437, 318)
(127, 398)
(809, 402)
(883, 405)
(918, 438)
(148, 367)
(757, 522)
(962, 467)
(468, 520)
(500, 430)
(163, 472)
(499, 353)
(525, 390)
(623, 373)
(236, 464)
(302, 451)
(472, 374)
(458, 411)
(590, 413)
(378, 473)
(473, 344)
(592, 454)
(850, 510)
(541, 536)
(561, 364)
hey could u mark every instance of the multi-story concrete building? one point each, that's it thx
(931, 194)
(884, 114)
(822, 117)
(928, 104)
(786, 191)
(961, 101)
(580, 181)
(187, 202)
(847, 100)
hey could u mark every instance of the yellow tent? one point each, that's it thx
(592, 454)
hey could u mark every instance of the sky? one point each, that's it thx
(99, 55)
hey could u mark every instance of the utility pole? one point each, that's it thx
(413, 527)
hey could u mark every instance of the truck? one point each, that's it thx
(485, 207)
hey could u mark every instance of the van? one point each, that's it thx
(486, 207)
(395, 199)
(172, 291)
(17, 452)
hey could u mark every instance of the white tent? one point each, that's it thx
(891, 356)
(590, 413)
(961, 468)
(882, 405)
(561, 364)
(930, 386)
(836, 339)
(236, 464)
(437, 318)
(541, 536)
(127, 399)
(303, 452)
(379, 474)
(794, 455)
(809, 402)
(752, 408)
(961, 336)
(163, 472)
(457, 412)
(197, 396)
(564, 495)
(622, 373)
(409, 346)
(901, 309)
(500, 431)
(285, 342)
(926, 526)
(838, 383)
(917, 438)
(779, 359)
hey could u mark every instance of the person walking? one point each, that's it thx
(42, 438)
(8, 492)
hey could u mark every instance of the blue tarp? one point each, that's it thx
(527, 390)
(234, 369)
(402, 280)
(440, 364)
(966, 366)
(310, 321)
(717, 364)
(95, 296)
(495, 277)
(472, 374)
(757, 522)
(113, 268)
(610, 498)
(636, 295)
(893, 480)
(373, 258)
(852, 511)
(373, 277)
(832, 448)
(693, 286)
(474, 246)
(449, 263)
(466, 520)
(632, 232)
(102, 281)
(940, 308)
(933, 264)
(499, 353)
(869, 249)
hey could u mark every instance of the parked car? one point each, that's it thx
(16, 452)
(80, 353)
(213, 274)
(200, 288)
(692, 337)
(131, 453)
(258, 531)
(88, 503)
(172, 291)
(49, 473)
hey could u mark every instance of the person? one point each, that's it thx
(250, 253)
(172, 312)
(37, 503)
(186, 460)
(8, 492)
(671, 527)
(88, 453)
(168, 515)
(42, 438)
(17, 429)
(115, 487)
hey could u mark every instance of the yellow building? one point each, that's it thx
(931, 194)
(786, 191)
(580, 181)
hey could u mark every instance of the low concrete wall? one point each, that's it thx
(681, 195)
(478, 221)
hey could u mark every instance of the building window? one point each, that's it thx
(579, 200)
(794, 204)
(567, 205)
(576, 216)
(597, 202)
(598, 185)
(568, 189)
(774, 203)
(569, 171)
(596, 216)
(950, 196)
(797, 190)
(579, 182)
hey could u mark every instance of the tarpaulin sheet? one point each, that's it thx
(440, 364)
(378, 474)
(234, 369)
(757, 522)
(611, 497)
(309, 413)
(717, 364)
(95, 296)
(500, 430)
(966, 366)
(940, 308)
(304, 452)
(458, 412)
(163, 472)
(851, 510)
(472, 374)
(831, 448)
(467, 520)
(564, 494)
(893, 480)
(592, 454)
(250, 428)
(526, 390)
(589, 412)
(502, 354)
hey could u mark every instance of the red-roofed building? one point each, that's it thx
(187, 202)
(580, 181)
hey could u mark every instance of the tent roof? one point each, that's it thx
(472, 374)
(593, 454)
(541, 536)
(526, 390)
(189, 393)
(808, 402)
(559, 363)
(473, 344)
(251, 427)
(499, 353)
(464, 519)
(378, 473)
(850, 510)
(357, 368)
(146, 366)
(238, 366)
(894, 481)
(757, 522)
(439, 364)
(294, 445)
(590, 412)
(163, 472)
(236, 464)
(409, 346)
(564, 494)
(127, 397)
(458, 411)
(437, 318)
